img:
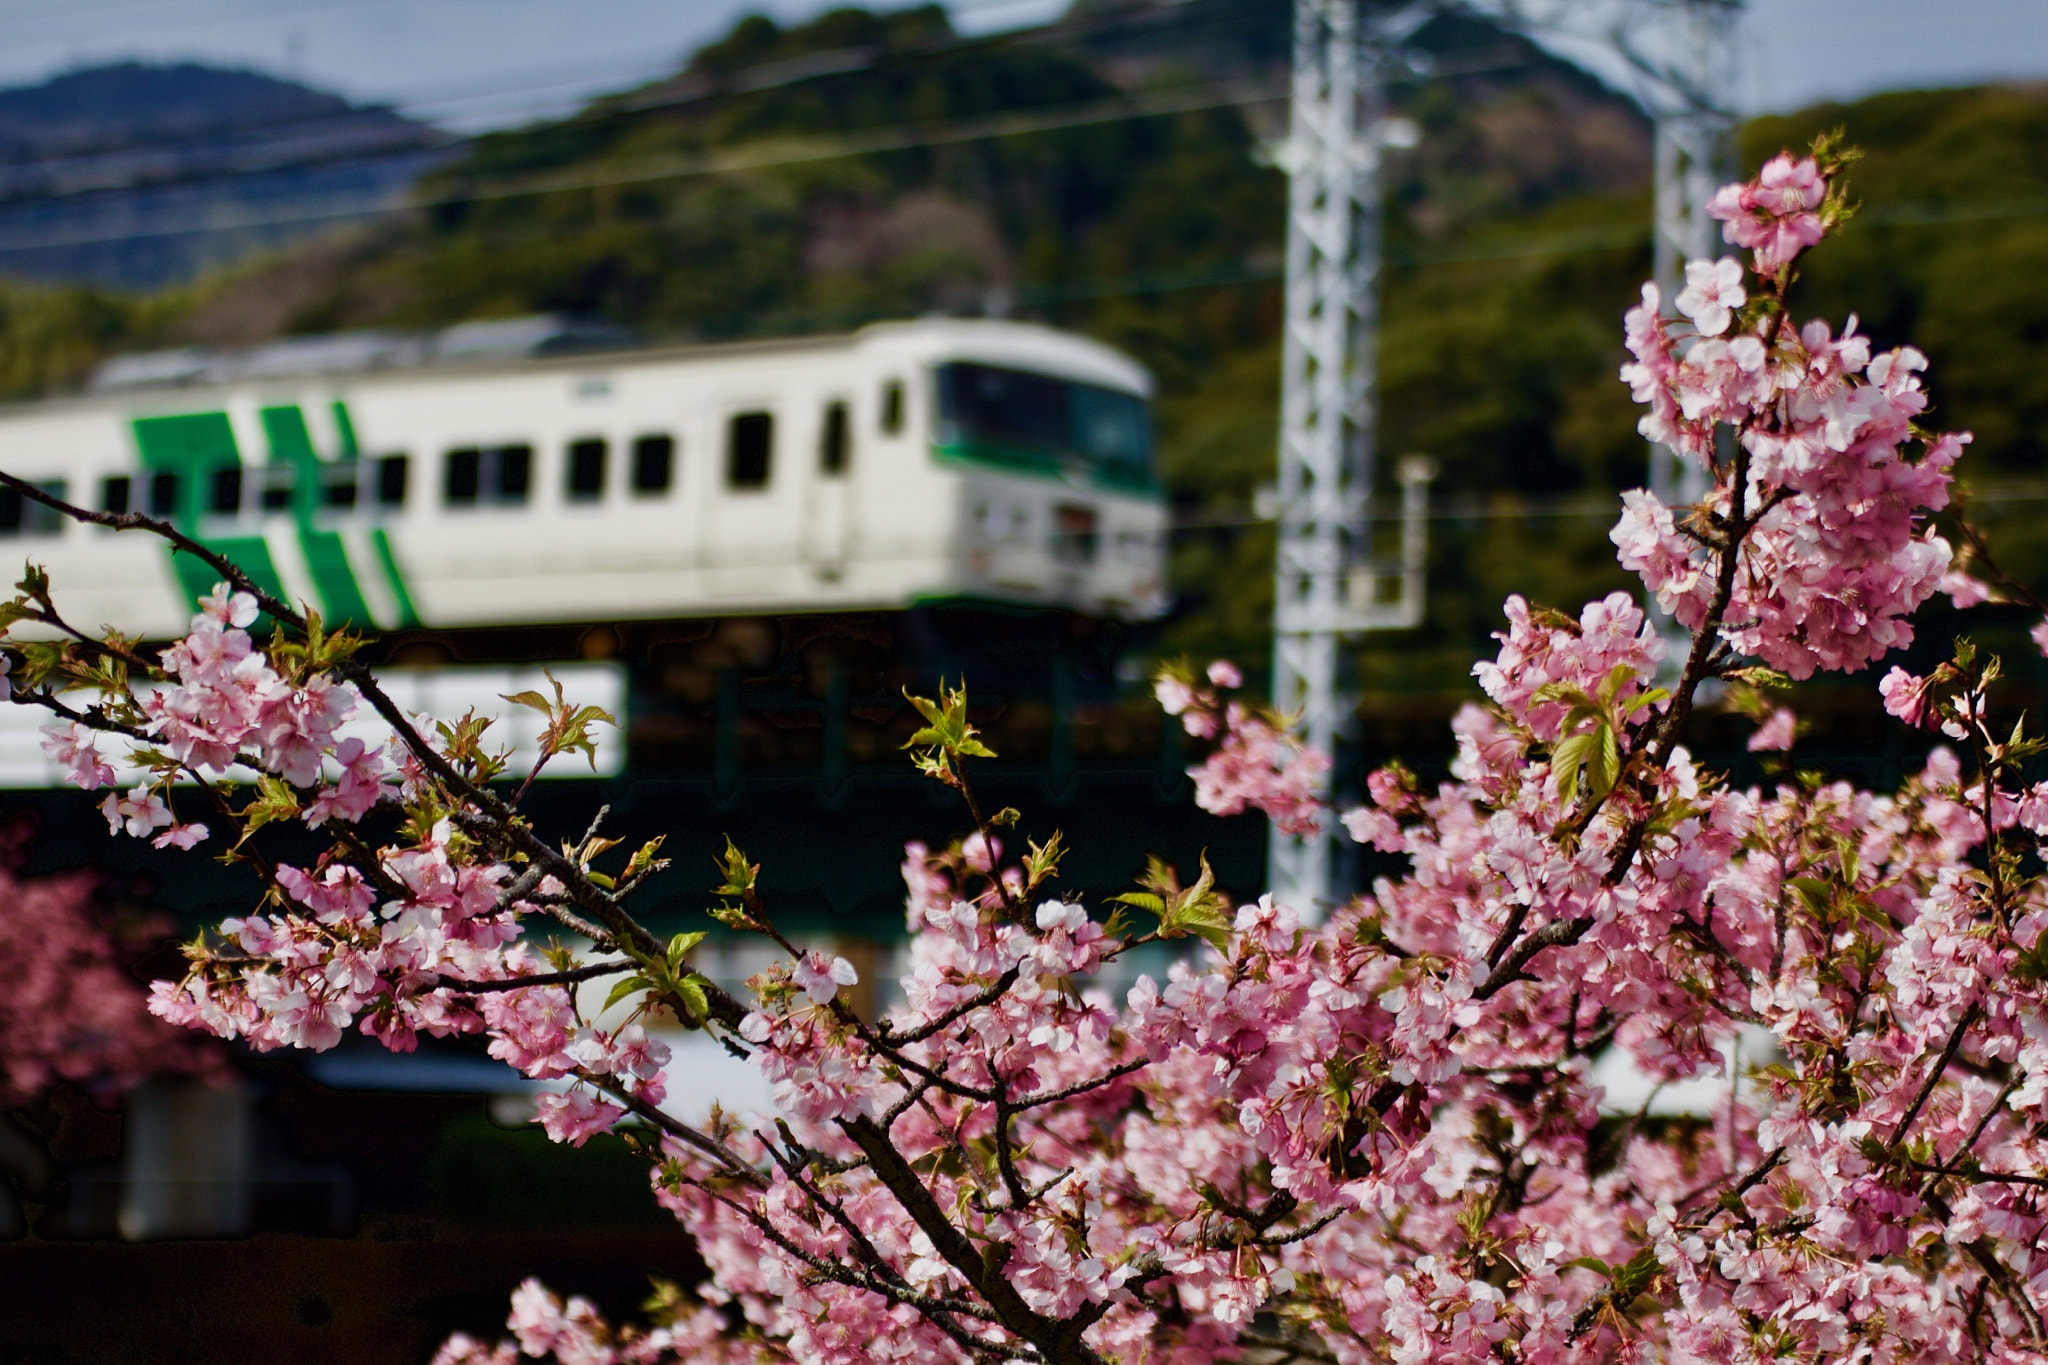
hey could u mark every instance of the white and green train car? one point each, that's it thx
(471, 479)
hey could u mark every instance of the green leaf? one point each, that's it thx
(568, 727)
(1813, 892)
(1633, 1278)
(1563, 692)
(1567, 759)
(1042, 861)
(1607, 765)
(696, 1004)
(680, 946)
(274, 801)
(1198, 911)
(643, 860)
(946, 735)
(1759, 676)
(35, 583)
(1618, 677)
(738, 873)
(628, 987)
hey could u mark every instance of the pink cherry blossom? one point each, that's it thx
(180, 836)
(1712, 290)
(577, 1116)
(1964, 590)
(1905, 696)
(1776, 733)
(1776, 215)
(139, 812)
(74, 747)
(225, 607)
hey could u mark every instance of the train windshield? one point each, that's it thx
(1036, 421)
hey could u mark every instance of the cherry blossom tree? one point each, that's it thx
(71, 1012)
(1373, 1138)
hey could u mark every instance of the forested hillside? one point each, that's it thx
(1112, 175)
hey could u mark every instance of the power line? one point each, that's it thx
(703, 90)
(741, 84)
(764, 155)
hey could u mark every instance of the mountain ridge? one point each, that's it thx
(144, 175)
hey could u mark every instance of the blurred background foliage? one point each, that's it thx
(999, 176)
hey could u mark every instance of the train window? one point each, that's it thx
(114, 493)
(461, 476)
(499, 474)
(391, 481)
(835, 441)
(277, 488)
(750, 450)
(654, 461)
(892, 407)
(19, 516)
(586, 470)
(514, 472)
(1015, 417)
(338, 485)
(48, 521)
(226, 497)
(163, 494)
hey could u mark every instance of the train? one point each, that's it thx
(521, 472)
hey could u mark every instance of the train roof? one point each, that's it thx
(550, 342)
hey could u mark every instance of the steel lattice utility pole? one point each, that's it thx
(1325, 586)
(1695, 155)
(1681, 54)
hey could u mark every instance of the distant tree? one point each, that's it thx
(70, 1011)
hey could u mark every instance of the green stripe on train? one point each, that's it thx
(290, 443)
(195, 446)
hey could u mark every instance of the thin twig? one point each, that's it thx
(1948, 1054)
(520, 983)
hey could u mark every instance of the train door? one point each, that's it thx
(752, 513)
(828, 504)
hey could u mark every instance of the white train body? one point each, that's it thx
(904, 463)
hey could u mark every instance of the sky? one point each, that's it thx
(475, 64)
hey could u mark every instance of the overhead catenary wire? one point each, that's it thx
(764, 154)
(661, 89)
(726, 87)
(756, 156)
